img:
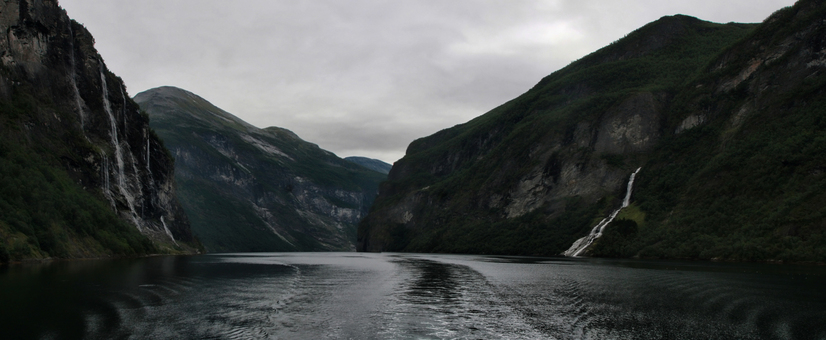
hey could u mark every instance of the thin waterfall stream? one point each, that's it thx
(583, 243)
(168, 233)
(78, 100)
(121, 177)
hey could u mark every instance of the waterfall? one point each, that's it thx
(105, 175)
(149, 174)
(167, 231)
(120, 176)
(123, 111)
(134, 163)
(583, 243)
(627, 198)
(147, 156)
(151, 179)
(78, 100)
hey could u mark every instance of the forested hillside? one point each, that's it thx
(725, 120)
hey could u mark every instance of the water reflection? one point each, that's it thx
(434, 283)
(408, 296)
(442, 300)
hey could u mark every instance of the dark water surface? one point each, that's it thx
(409, 296)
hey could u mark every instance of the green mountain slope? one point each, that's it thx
(372, 164)
(723, 119)
(747, 183)
(251, 189)
(81, 173)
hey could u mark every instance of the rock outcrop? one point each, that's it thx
(64, 108)
(251, 189)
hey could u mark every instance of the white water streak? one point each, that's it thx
(167, 231)
(78, 100)
(121, 177)
(106, 190)
(583, 243)
(135, 171)
(123, 111)
(147, 157)
(628, 189)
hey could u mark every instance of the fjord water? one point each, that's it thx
(409, 296)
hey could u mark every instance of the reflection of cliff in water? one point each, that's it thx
(448, 300)
(434, 281)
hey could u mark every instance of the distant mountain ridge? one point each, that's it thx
(251, 189)
(370, 163)
(81, 173)
(725, 120)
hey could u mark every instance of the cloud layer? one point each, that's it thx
(364, 77)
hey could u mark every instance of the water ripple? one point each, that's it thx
(409, 296)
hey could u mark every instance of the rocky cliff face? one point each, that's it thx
(251, 189)
(62, 105)
(552, 159)
(679, 97)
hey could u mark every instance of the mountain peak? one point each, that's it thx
(654, 36)
(725, 121)
(170, 96)
(251, 189)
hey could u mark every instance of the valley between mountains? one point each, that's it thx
(684, 139)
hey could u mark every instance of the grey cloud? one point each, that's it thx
(366, 77)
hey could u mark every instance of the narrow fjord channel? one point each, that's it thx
(409, 296)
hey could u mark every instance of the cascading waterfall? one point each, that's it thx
(149, 174)
(627, 199)
(135, 171)
(583, 243)
(123, 110)
(106, 184)
(132, 158)
(78, 100)
(168, 233)
(147, 157)
(120, 176)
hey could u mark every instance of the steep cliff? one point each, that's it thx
(684, 99)
(82, 173)
(740, 171)
(251, 189)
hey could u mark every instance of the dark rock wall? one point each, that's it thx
(87, 118)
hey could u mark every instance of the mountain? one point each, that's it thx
(81, 172)
(725, 122)
(251, 189)
(372, 164)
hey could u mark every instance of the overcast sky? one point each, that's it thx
(364, 77)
